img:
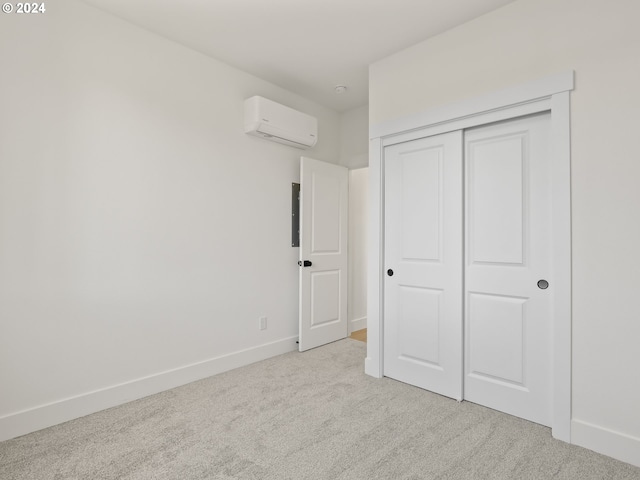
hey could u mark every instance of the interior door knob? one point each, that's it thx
(305, 263)
(390, 272)
(543, 284)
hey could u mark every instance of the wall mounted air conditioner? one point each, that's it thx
(270, 120)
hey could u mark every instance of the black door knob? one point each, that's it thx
(390, 272)
(305, 263)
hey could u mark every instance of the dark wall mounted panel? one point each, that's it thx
(295, 214)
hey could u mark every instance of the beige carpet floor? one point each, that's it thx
(313, 415)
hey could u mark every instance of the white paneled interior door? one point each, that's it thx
(508, 253)
(423, 261)
(467, 314)
(324, 207)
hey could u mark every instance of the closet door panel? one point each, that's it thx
(423, 263)
(508, 235)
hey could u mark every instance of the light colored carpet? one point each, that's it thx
(313, 415)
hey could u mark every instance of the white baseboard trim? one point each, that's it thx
(608, 442)
(372, 368)
(358, 324)
(30, 420)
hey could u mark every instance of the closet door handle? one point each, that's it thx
(390, 272)
(305, 263)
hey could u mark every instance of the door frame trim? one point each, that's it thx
(550, 94)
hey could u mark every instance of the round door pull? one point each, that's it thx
(390, 272)
(543, 284)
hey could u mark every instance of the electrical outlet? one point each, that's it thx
(262, 323)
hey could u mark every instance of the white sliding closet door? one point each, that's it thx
(508, 282)
(483, 294)
(423, 263)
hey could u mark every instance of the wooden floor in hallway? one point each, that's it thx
(360, 335)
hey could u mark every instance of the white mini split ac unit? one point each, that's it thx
(270, 120)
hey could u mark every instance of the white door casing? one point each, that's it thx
(323, 242)
(423, 257)
(508, 250)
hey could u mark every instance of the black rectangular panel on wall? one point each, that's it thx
(295, 214)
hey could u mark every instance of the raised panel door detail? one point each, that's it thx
(419, 326)
(496, 331)
(421, 204)
(325, 229)
(325, 288)
(497, 169)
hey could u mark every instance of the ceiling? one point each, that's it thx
(305, 46)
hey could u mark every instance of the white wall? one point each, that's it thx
(354, 154)
(600, 41)
(141, 231)
(358, 208)
(354, 137)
